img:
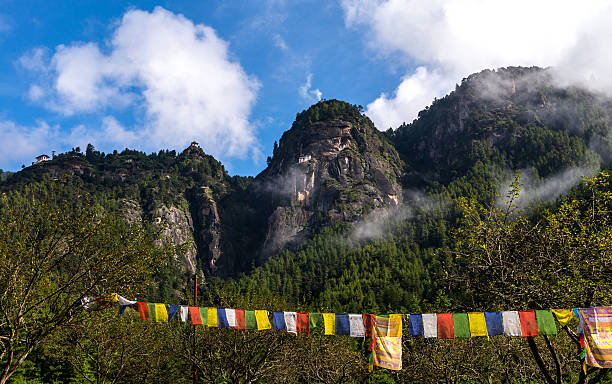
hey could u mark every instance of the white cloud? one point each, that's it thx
(453, 38)
(308, 94)
(177, 74)
(21, 142)
(279, 42)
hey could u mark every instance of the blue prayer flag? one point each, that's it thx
(222, 318)
(172, 310)
(416, 325)
(122, 309)
(579, 316)
(278, 320)
(495, 325)
(343, 326)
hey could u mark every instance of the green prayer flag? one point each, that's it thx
(152, 312)
(316, 322)
(250, 322)
(546, 322)
(461, 325)
(204, 315)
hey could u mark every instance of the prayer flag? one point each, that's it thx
(250, 322)
(446, 329)
(278, 320)
(240, 319)
(563, 316)
(172, 310)
(194, 313)
(290, 321)
(416, 325)
(222, 318)
(204, 315)
(368, 323)
(357, 328)
(598, 335)
(578, 314)
(123, 301)
(230, 315)
(302, 324)
(494, 323)
(316, 322)
(512, 323)
(461, 325)
(430, 325)
(478, 324)
(529, 326)
(262, 320)
(343, 326)
(546, 322)
(329, 321)
(152, 311)
(388, 349)
(161, 314)
(184, 313)
(122, 309)
(212, 317)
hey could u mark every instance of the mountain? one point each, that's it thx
(341, 206)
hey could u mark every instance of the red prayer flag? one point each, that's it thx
(368, 324)
(529, 326)
(239, 319)
(194, 312)
(302, 324)
(143, 310)
(446, 329)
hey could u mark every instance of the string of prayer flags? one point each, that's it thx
(416, 324)
(278, 320)
(430, 325)
(262, 320)
(250, 321)
(356, 327)
(343, 325)
(529, 326)
(329, 322)
(302, 324)
(388, 342)
(291, 321)
(512, 323)
(598, 335)
(494, 322)
(546, 322)
(563, 316)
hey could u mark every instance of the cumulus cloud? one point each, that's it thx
(178, 76)
(20, 142)
(308, 94)
(449, 39)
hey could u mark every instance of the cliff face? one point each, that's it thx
(331, 166)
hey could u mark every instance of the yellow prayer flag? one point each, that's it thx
(478, 324)
(563, 315)
(161, 314)
(329, 320)
(262, 320)
(112, 298)
(212, 317)
(395, 325)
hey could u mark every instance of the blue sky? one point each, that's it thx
(233, 74)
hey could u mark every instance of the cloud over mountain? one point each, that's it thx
(177, 80)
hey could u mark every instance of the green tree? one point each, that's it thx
(56, 248)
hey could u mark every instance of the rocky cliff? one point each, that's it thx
(331, 166)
